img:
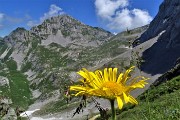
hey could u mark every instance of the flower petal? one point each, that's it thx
(132, 100)
(139, 84)
(99, 74)
(77, 88)
(110, 74)
(126, 98)
(106, 75)
(125, 76)
(80, 93)
(114, 74)
(120, 102)
(96, 81)
(119, 78)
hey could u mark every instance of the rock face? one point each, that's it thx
(4, 81)
(167, 19)
(163, 54)
(19, 42)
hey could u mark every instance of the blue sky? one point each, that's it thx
(112, 15)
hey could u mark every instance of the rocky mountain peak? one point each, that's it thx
(18, 31)
(68, 27)
(18, 35)
(65, 30)
(63, 19)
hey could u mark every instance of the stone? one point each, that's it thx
(11, 115)
(4, 81)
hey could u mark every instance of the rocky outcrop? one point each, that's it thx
(4, 81)
(163, 54)
(166, 20)
(6, 111)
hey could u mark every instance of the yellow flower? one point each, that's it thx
(109, 85)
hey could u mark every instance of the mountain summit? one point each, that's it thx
(70, 30)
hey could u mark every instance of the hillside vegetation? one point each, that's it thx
(158, 103)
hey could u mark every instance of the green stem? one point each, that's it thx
(113, 110)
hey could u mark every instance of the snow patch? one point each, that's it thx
(28, 113)
(38, 118)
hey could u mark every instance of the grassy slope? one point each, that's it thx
(158, 103)
(18, 89)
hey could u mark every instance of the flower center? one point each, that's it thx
(113, 88)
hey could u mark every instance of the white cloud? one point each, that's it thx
(118, 17)
(129, 19)
(107, 8)
(53, 11)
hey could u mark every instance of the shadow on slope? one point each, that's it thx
(159, 58)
